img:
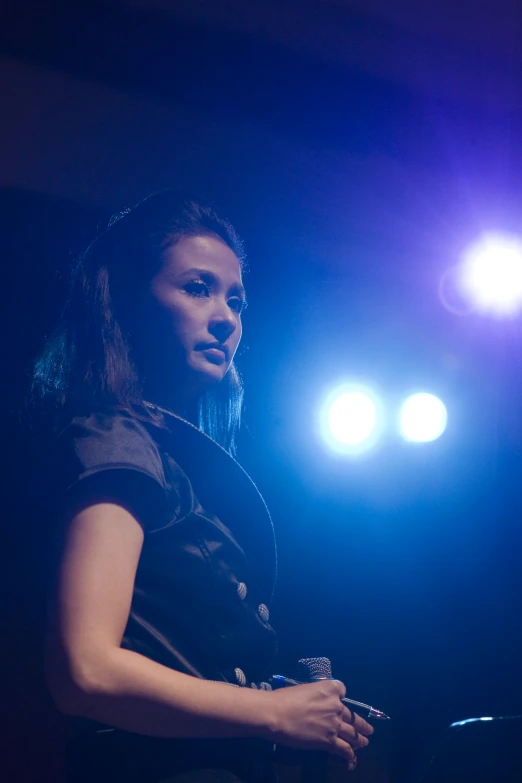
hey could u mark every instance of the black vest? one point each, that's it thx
(205, 580)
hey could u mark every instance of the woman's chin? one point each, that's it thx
(209, 375)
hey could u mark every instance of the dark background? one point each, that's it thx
(357, 147)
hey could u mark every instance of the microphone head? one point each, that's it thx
(313, 669)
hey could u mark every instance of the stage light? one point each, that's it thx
(490, 275)
(351, 419)
(423, 417)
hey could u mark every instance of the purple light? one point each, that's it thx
(490, 275)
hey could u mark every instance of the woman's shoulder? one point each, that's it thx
(97, 439)
(103, 418)
(109, 425)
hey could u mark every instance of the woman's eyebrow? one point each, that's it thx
(199, 272)
(210, 277)
(239, 289)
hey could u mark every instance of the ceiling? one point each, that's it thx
(456, 48)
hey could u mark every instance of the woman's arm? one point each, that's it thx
(90, 675)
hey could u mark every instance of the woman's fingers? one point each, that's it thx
(353, 729)
(341, 688)
(348, 734)
(344, 750)
(358, 723)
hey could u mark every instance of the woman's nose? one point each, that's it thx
(223, 322)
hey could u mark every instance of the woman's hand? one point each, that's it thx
(92, 676)
(312, 717)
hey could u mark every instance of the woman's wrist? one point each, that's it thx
(263, 718)
(134, 693)
(247, 712)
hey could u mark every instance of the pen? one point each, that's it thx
(279, 679)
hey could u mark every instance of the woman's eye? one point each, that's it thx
(237, 304)
(197, 288)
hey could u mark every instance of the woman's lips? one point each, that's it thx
(215, 355)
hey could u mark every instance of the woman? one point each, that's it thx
(166, 560)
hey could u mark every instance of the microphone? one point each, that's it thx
(311, 669)
(314, 669)
(314, 768)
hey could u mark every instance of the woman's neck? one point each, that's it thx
(179, 401)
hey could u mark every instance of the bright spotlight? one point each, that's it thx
(423, 417)
(490, 275)
(350, 419)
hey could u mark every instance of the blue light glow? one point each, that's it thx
(423, 417)
(468, 720)
(490, 275)
(350, 419)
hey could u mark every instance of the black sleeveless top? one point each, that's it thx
(206, 572)
(202, 590)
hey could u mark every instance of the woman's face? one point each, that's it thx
(200, 292)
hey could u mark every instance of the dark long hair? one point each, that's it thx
(88, 360)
